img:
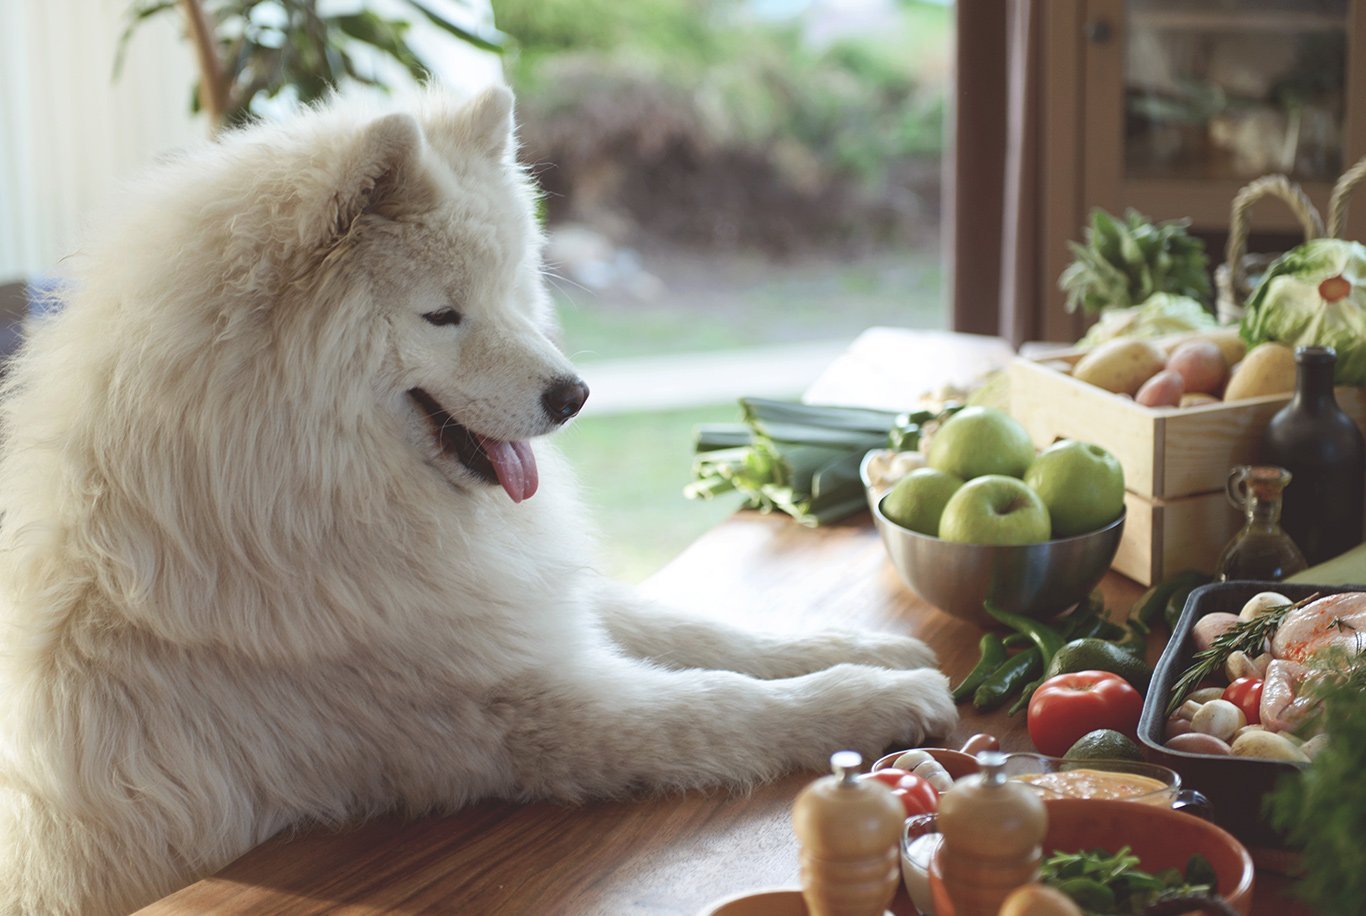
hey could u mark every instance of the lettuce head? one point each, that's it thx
(1315, 294)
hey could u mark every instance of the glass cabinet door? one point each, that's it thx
(1234, 89)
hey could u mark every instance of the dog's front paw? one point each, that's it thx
(887, 650)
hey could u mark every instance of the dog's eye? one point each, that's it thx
(443, 316)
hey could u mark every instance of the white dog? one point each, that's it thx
(265, 555)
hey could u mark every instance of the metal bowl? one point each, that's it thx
(1039, 580)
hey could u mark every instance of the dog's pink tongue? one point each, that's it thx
(515, 466)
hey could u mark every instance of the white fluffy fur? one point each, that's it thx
(241, 588)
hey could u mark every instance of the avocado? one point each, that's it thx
(1104, 744)
(1101, 655)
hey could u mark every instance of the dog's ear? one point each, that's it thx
(383, 175)
(482, 127)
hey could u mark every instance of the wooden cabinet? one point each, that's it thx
(1171, 106)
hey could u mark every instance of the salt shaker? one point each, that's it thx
(850, 835)
(993, 831)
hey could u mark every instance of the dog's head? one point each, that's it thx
(432, 222)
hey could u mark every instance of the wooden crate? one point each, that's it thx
(1167, 453)
(1176, 460)
(1165, 536)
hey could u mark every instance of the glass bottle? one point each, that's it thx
(1262, 550)
(1318, 443)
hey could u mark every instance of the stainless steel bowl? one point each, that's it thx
(1039, 580)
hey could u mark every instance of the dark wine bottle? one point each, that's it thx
(1325, 453)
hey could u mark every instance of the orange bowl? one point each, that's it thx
(1160, 837)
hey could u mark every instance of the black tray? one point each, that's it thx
(1236, 786)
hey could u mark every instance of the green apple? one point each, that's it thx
(1082, 485)
(981, 440)
(918, 499)
(995, 509)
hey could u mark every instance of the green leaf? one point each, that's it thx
(137, 15)
(488, 40)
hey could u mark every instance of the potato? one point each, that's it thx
(1197, 399)
(1208, 628)
(1121, 366)
(1199, 743)
(1227, 339)
(1268, 368)
(1201, 365)
(1267, 746)
(1205, 694)
(1162, 390)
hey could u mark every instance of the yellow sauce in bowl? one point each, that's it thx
(1085, 783)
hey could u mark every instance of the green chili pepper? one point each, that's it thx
(1150, 606)
(993, 653)
(1025, 696)
(1047, 639)
(1013, 674)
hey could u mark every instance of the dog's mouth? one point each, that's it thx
(509, 464)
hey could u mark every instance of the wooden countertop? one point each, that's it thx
(663, 855)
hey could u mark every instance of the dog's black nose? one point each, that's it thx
(564, 398)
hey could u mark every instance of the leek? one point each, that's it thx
(801, 459)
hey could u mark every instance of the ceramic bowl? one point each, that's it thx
(1160, 837)
(1038, 580)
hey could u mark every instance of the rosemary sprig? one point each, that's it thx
(1244, 636)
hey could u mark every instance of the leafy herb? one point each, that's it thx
(1101, 882)
(1323, 807)
(1244, 636)
(1125, 261)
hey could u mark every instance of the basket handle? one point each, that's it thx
(1275, 186)
(1337, 204)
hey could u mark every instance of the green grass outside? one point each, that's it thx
(633, 468)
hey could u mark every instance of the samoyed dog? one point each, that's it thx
(281, 543)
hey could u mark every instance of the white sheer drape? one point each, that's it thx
(70, 132)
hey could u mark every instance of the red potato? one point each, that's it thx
(1197, 743)
(1162, 390)
(1208, 628)
(1201, 365)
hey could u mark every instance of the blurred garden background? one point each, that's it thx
(758, 178)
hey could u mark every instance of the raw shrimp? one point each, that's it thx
(1338, 620)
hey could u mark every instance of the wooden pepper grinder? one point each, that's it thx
(850, 835)
(993, 831)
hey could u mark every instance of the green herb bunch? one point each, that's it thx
(1101, 882)
(1126, 261)
(1322, 808)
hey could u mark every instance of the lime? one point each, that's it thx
(1104, 744)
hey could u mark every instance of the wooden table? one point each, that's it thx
(665, 855)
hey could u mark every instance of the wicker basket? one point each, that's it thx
(1235, 279)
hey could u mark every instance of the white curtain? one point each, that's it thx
(70, 132)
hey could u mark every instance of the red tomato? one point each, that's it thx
(889, 775)
(916, 795)
(1068, 706)
(1246, 694)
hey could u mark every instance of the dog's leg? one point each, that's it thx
(643, 629)
(605, 724)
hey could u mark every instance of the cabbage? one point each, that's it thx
(1159, 315)
(1295, 306)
